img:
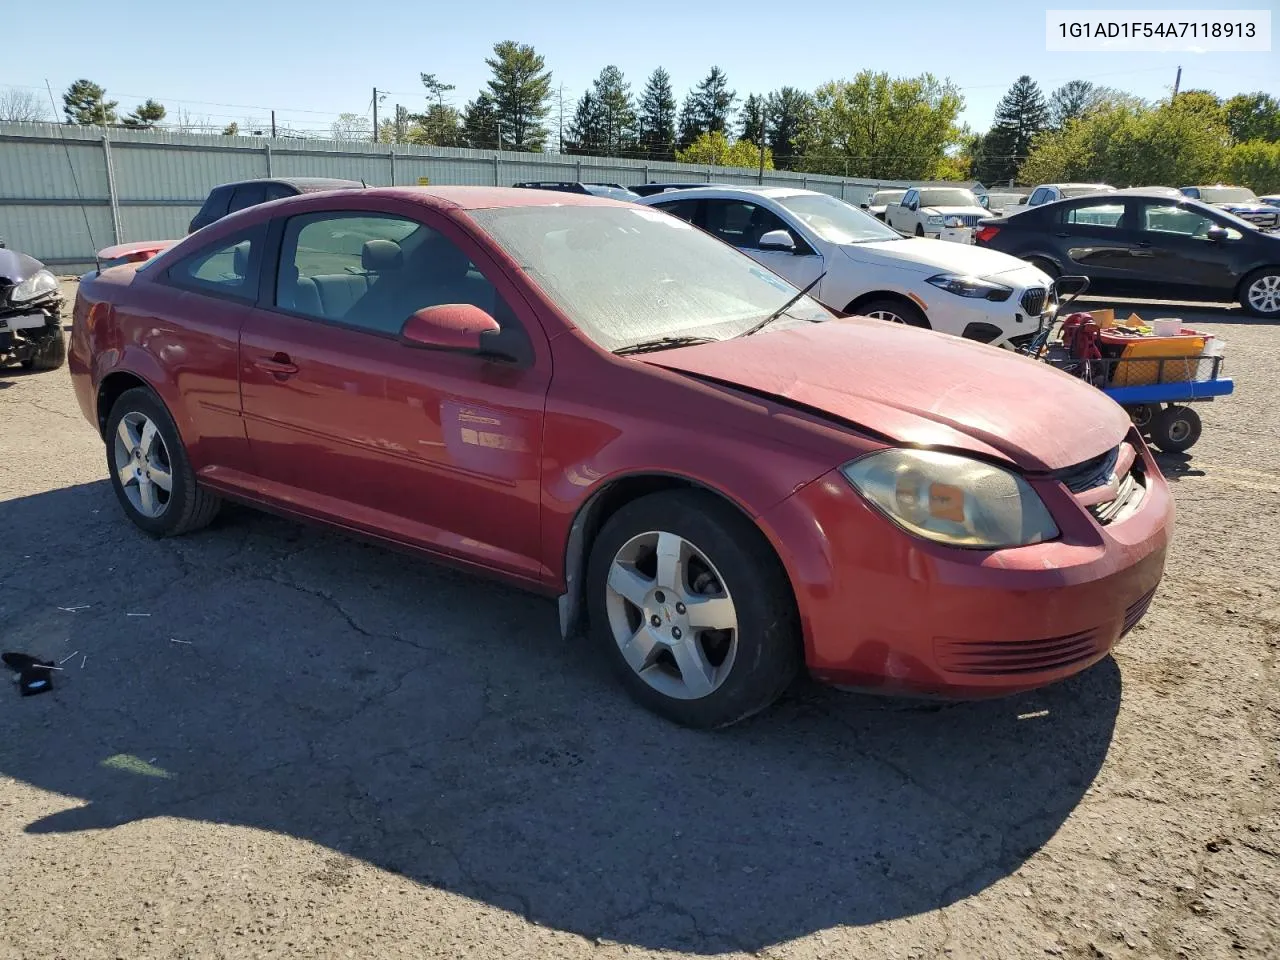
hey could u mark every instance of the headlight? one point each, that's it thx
(951, 499)
(972, 287)
(39, 284)
(953, 221)
(935, 220)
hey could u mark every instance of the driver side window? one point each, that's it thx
(909, 200)
(740, 223)
(227, 268)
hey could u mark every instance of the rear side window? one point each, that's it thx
(215, 205)
(1094, 215)
(226, 268)
(247, 195)
(684, 209)
(278, 191)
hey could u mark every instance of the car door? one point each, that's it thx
(742, 223)
(1094, 237)
(435, 448)
(1174, 249)
(902, 216)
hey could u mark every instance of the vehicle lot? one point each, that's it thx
(299, 745)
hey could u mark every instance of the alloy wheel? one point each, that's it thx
(888, 315)
(142, 465)
(671, 615)
(1264, 294)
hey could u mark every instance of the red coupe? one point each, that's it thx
(598, 401)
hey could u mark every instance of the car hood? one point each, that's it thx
(932, 256)
(1245, 206)
(958, 211)
(16, 267)
(919, 388)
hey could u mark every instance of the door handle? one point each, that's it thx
(1143, 244)
(279, 366)
(1062, 234)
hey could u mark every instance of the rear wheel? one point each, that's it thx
(693, 609)
(1260, 292)
(894, 310)
(1045, 266)
(149, 469)
(919, 230)
(1175, 429)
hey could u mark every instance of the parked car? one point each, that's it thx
(614, 191)
(229, 197)
(649, 189)
(1147, 245)
(862, 266)
(880, 200)
(943, 213)
(30, 313)
(1270, 199)
(123, 253)
(1241, 201)
(730, 480)
(1053, 192)
(999, 203)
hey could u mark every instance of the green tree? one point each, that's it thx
(587, 131)
(1021, 115)
(146, 115)
(656, 121)
(232, 129)
(480, 122)
(708, 108)
(1253, 116)
(1073, 99)
(617, 111)
(715, 148)
(86, 103)
(440, 124)
(877, 126)
(1255, 164)
(789, 111)
(689, 123)
(520, 91)
(755, 120)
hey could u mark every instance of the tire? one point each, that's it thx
(1175, 429)
(1260, 292)
(1143, 416)
(919, 230)
(893, 310)
(1046, 266)
(186, 506)
(50, 354)
(746, 668)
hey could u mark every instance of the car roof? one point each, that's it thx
(482, 198)
(730, 190)
(1105, 185)
(306, 184)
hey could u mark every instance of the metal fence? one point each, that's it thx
(66, 191)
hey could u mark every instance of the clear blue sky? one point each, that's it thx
(312, 59)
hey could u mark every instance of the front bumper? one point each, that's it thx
(887, 612)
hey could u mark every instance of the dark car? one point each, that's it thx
(30, 313)
(649, 189)
(230, 197)
(1146, 245)
(1241, 201)
(614, 191)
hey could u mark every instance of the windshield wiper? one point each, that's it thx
(660, 343)
(784, 308)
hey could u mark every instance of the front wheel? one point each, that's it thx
(894, 311)
(149, 469)
(1260, 293)
(693, 609)
(49, 354)
(1045, 266)
(1175, 429)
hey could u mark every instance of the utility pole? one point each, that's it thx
(273, 124)
(375, 114)
(1177, 82)
(561, 133)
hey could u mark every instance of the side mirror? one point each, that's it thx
(449, 326)
(778, 240)
(1217, 234)
(1022, 201)
(863, 205)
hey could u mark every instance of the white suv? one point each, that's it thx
(1052, 192)
(866, 267)
(944, 213)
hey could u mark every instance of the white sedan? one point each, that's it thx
(869, 269)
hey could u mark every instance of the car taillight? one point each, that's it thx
(985, 234)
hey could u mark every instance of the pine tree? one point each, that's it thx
(1020, 115)
(480, 123)
(146, 115)
(587, 131)
(754, 120)
(86, 103)
(656, 124)
(617, 112)
(690, 123)
(789, 110)
(520, 92)
(707, 109)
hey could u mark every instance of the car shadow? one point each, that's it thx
(1191, 311)
(1176, 466)
(267, 674)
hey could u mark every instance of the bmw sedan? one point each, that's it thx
(597, 401)
(1147, 244)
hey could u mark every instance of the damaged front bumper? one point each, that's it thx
(26, 328)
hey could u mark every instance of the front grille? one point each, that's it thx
(1265, 220)
(1093, 472)
(967, 219)
(1136, 611)
(1033, 301)
(987, 658)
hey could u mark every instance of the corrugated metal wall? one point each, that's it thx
(67, 191)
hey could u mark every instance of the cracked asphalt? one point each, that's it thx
(270, 740)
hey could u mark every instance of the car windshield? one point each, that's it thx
(883, 198)
(1084, 189)
(948, 198)
(1227, 195)
(836, 221)
(626, 275)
